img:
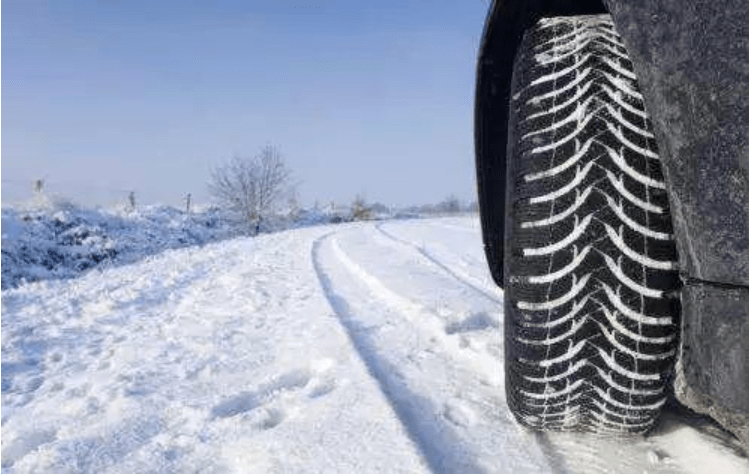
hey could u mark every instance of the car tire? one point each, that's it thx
(590, 273)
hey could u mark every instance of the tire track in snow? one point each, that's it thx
(428, 320)
(458, 424)
(455, 273)
(408, 406)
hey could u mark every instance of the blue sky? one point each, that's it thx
(373, 98)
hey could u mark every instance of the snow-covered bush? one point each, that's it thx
(52, 241)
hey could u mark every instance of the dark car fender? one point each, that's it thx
(692, 63)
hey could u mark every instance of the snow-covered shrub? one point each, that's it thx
(52, 241)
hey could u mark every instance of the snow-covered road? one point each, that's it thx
(373, 347)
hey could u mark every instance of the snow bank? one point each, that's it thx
(54, 240)
(63, 241)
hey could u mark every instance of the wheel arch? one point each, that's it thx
(506, 22)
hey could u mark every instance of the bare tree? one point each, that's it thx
(252, 187)
(360, 211)
(451, 205)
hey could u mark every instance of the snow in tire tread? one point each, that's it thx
(591, 262)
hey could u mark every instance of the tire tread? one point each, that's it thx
(590, 261)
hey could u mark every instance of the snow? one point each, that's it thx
(361, 347)
(52, 240)
(50, 237)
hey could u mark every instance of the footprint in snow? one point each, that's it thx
(458, 413)
(267, 406)
(268, 418)
(322, 382)
(266, 393)
(322, 387)
(474, 322)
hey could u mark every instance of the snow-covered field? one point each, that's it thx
(366, 347)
